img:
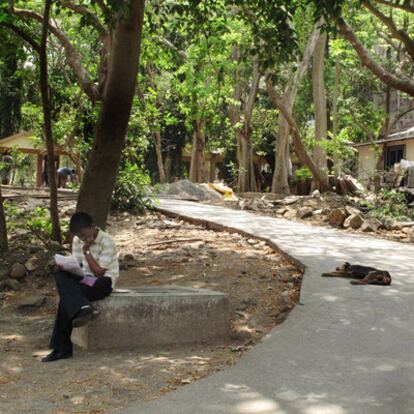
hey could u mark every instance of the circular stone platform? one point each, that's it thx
(156, 316)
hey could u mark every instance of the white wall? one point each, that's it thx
(367, 159)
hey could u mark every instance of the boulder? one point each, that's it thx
(316, 194)
(18, 271)
(290, 214)
(352, 210)
(4, 272)
(354, 221)
(337, 217)
(370, 225)
(304, 212)
(13, 284)
(32, 301)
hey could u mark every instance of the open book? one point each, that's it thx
(71, 265)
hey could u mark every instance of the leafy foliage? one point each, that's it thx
(37, 224)
(133, 191)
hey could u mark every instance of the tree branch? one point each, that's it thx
(72, 55)
(87, 13)
(167, 43)
(103, 7)
(388, 78)
(27, 38)
(395, 32)
(405, 7)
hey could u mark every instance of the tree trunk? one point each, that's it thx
(337, 158)
(321, 180)
(280, 181)
(198, 163)
(44, 89)
(319, 101)
(100, 176)
(247, 179)
(157, 144)
(3, 228)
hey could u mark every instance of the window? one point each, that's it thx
(393, 155)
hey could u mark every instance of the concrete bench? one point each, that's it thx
(156, 316)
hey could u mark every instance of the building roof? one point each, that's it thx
(402, 135)
(26, 142)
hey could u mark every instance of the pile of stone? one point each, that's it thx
(34, 261)
(186, 190)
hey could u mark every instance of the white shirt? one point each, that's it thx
(104, 252)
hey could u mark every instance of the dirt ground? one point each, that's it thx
(262, 287)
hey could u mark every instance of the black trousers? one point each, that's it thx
(73, 296)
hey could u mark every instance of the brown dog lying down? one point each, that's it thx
(366, 275)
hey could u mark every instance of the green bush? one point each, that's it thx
(302, 174)
(133, 191)
(36, 223)
(389, 204)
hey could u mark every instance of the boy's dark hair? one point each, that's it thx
(80, 221)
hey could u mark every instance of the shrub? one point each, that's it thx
(133, 191)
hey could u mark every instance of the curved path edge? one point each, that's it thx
(344, 350)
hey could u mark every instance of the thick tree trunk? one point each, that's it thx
(157, 144)
(100, 176)
(280, 182)
(247, 178)
(337, 158)
(44, 89)
(198, 163)
(319, 101)
(3, 228)
(322, 182)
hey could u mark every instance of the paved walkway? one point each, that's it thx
(344, 350)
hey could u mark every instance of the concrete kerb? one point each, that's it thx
(219, 227)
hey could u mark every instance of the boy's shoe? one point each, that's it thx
(84, 316)
(56, 355)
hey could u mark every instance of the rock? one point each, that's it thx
(4, 272)
(241, 336)
(32, 301)
(35, 248)
(304, 212)
(407, 230)
(370, 225)
(316, 194)
(13, 284)
(354, 221)
(325, 211)
(317, 212)
(282, 211)
(337, 217)
(283, 275)
(18, 271)
(3, 285)
(407, 223)
(250, 302)
(30, 266)
(352, 210)
(252, 241)
(388, 223)
(55, 246)
(291, 214)
(129, 257)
